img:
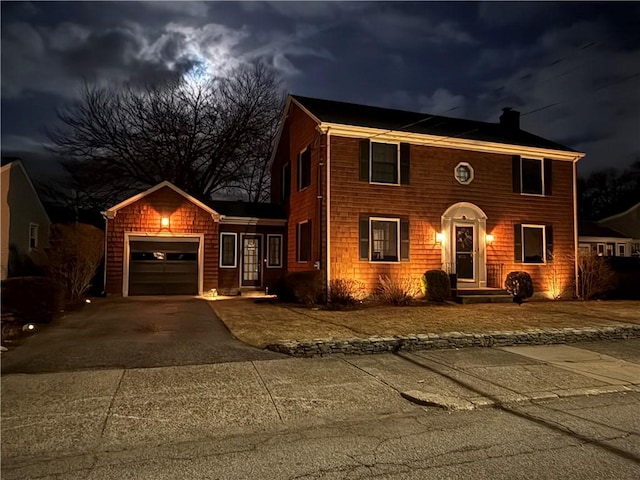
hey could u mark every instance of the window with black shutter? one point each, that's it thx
(532, 176)
(386, 163)
(533, 243)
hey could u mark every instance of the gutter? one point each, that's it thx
(106, 237)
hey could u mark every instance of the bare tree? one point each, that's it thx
(204, 137)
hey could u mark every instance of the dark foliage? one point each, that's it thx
(607, 192)
(437, 286)
(520, 285)
(32, 299)
(302, 287)
(206, 137)
(344, 293)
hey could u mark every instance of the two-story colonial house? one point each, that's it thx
(372, 191)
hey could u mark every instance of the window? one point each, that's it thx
(532, 176)
(611, 248)
(387, 163)
(463, 173)
(228, 258)
(303, 241)
(274, 251)
(304, 168)
(286, 181)
(533, 243)
(33, 236)
(384, 239)
(601, 249)
(621, 250)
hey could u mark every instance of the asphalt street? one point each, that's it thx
(503, 414)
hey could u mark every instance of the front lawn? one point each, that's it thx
(260, 323)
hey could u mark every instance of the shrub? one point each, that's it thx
(397, 290)
(32, 299)
(303, 287)
(520, 285)
(436, 285)
(596, 278)
(345, 292)
(75, 252)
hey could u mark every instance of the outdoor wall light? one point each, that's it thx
(164, 221)
(490, 238)
(439, 237)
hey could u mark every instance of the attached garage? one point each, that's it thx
(163, 266)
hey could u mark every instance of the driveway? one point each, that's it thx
(134, 332)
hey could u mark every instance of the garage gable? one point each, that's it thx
(112, 212)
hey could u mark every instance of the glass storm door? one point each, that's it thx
(251, 261)
(464, 242)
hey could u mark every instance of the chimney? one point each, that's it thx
(510, 119)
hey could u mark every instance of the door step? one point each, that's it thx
(482, 295)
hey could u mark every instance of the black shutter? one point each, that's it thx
(549, 240)
(517, 243)
(405, 163)
(309, 240)
(515, 170)
(404, 239)
(365, 152)
(364, 238)
(547, 176)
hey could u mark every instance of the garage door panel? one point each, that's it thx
(163, 268)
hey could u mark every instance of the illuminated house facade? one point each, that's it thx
(371, 191)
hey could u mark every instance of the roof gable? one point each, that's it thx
(111, 212)
(15, 163)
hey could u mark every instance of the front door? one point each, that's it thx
(251, 261)
(464, 254)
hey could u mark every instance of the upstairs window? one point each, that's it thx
(304, 168)
(386, 163)
(532, 176)
(286, 181)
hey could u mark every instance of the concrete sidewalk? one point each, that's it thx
(52, 416)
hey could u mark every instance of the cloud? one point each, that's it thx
(495, 14)
(440, 102)
(402, 29)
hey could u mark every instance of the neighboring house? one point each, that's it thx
(25, 224)
(596, 239)
(166, 242)
(627, 223)
(372, 191)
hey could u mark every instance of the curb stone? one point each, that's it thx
(377, 344)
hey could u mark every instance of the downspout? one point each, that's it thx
(104, 274)
(328, 204)
(575, 226)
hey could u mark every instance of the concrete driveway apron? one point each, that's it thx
(134, 332)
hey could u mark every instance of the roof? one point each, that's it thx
(247, 209)
(344, 113)
(592, 229)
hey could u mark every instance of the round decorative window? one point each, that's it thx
(463, 173)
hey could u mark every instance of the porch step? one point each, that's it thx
(482, 295)
(484, 299)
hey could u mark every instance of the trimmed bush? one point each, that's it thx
(396, 290)
(436, 285)
(32, 299)
(520, 285)
(302, 287)
(345, 292)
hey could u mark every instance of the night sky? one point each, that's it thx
(571, 68)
